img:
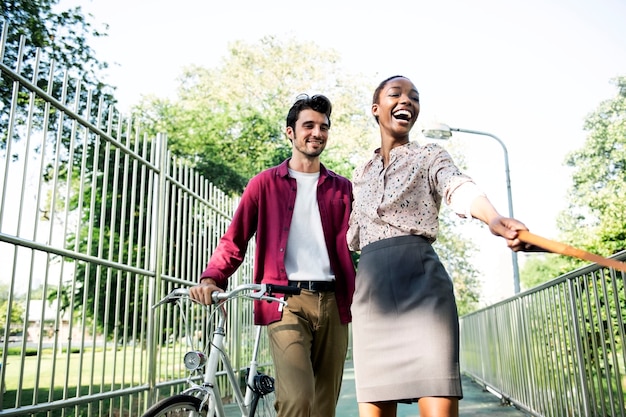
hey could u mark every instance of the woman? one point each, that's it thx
(405, 323)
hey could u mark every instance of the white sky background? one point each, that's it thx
(528, 72)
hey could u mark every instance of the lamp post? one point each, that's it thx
(443, 131)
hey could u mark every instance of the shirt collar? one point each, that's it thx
(283, 170)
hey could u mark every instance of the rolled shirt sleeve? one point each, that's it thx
(461, 199)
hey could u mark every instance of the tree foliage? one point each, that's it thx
(596, 216)
(543, 267)
(228, 123)
(61, 37)
(456, 252)
(230, 120)
(63, 34)
(15, 319)
(595, 219)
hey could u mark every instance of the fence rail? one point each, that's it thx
(97, 221)
(556, 350)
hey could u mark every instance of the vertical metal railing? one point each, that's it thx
(97, 221)
(555, 350)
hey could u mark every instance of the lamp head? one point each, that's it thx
(194, 360)
(437, 131)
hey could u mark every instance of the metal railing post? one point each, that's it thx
(156, 261)
(579, 349)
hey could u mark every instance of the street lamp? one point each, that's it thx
(443, 131)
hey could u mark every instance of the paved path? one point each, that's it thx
(475, 402)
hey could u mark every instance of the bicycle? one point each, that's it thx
(204, 399)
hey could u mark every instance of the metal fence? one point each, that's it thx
(556, 350)
(97, 221)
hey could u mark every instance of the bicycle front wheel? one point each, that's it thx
(177, 406)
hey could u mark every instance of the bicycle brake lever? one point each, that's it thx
(165, 300)
(172, 297)
(266, 293)
(257, 295)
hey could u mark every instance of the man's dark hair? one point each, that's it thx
(318, 102)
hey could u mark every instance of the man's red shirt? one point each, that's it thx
(266, 208)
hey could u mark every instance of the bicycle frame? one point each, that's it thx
(203, 365)
(209, 386)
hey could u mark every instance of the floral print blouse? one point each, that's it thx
(405, 196)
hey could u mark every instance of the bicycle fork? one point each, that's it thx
(215, 405)
(253, 367)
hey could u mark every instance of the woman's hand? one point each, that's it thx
(507, 228)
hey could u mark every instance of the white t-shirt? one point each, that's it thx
(307, 256)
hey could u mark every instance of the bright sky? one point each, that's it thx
(528, 72)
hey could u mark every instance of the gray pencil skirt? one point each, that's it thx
(405, 324)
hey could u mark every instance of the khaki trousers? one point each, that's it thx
(309, 348)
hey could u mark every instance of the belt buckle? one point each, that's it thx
(307, 285)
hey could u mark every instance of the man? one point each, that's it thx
(299, 211)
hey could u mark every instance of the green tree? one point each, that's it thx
(109, 217)
(50, 47)
(543, 267)
(229, 121)
(15, 320)
(595, 219)
(456, 253)
(61, 37)
(456, 250)
(596, 216)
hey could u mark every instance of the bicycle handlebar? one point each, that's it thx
(253, 291)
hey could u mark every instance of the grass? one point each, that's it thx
(45, 377)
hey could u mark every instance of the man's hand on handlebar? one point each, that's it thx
(203, 291)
